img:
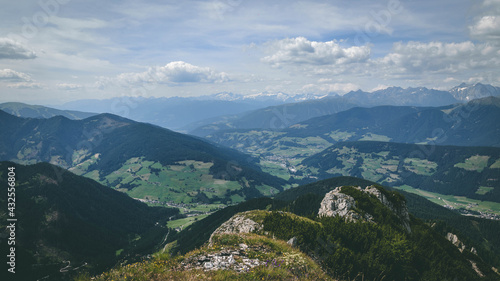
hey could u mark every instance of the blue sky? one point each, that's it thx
(54, 51)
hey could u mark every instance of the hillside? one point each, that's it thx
(461, 171)
(273, 117)
(374, 246)
(144, 160)
(477, 232)
(280, 151)
(37, 111)
(68, 223)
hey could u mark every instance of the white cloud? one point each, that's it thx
(340, 88)
(438, 57)
(69, 87)
(380, 87)
(10, 49)
(13, 76)
(301, 51)
(172, 73)
(487, 28)
(486, 24)
(25, 85)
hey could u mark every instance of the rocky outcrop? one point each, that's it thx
(292, 242)
(455, 241)
(336, 203)
(459, 244)
(239, 223)
(235, 259)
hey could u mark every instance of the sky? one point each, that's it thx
(55, 51)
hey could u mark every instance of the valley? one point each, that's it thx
(443, 163)
(250, 140)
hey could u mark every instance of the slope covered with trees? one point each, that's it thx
(143, 160)
(67, 223)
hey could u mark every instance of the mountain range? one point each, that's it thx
(304, 202)
(282, 116)
(271, 110)
(37, 111)
(146, 161)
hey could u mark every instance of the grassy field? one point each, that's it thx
(185, 222)
(457, 202)
(474, 163)
(180, 183)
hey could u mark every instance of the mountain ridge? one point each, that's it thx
(137, 158)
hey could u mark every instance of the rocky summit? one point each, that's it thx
(336, 203)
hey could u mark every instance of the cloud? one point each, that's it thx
(13, 76)
(301, 51)
(487, 28)
(486, 25)
(69, 87)
(380, 87)
(25, 85)
(438, 57)
(341, 88)
(176, 72)
(10, 49)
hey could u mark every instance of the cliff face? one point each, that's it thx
(337, 203)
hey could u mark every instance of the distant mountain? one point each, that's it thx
(282, 151)
(473, 172)
(37, 111)
(68, 224)
(467, 92)
(173, 113)
(274, 117)
(402, 97)
(262, 97)
(471, 124)
(282, 116)
(177, 112)
(144, 160)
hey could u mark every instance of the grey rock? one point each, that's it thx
(239, 223)
(336, 203)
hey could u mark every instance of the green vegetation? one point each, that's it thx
(145, 161)
(185, 222)
(474, 163)
(62, 216)
(495, 165)
(349, 250)
(457, 202)
(482, 190)
(278, 261)
(449, 170)
(374, 137)
(477, 232)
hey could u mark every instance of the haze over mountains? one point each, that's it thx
(189, 113)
